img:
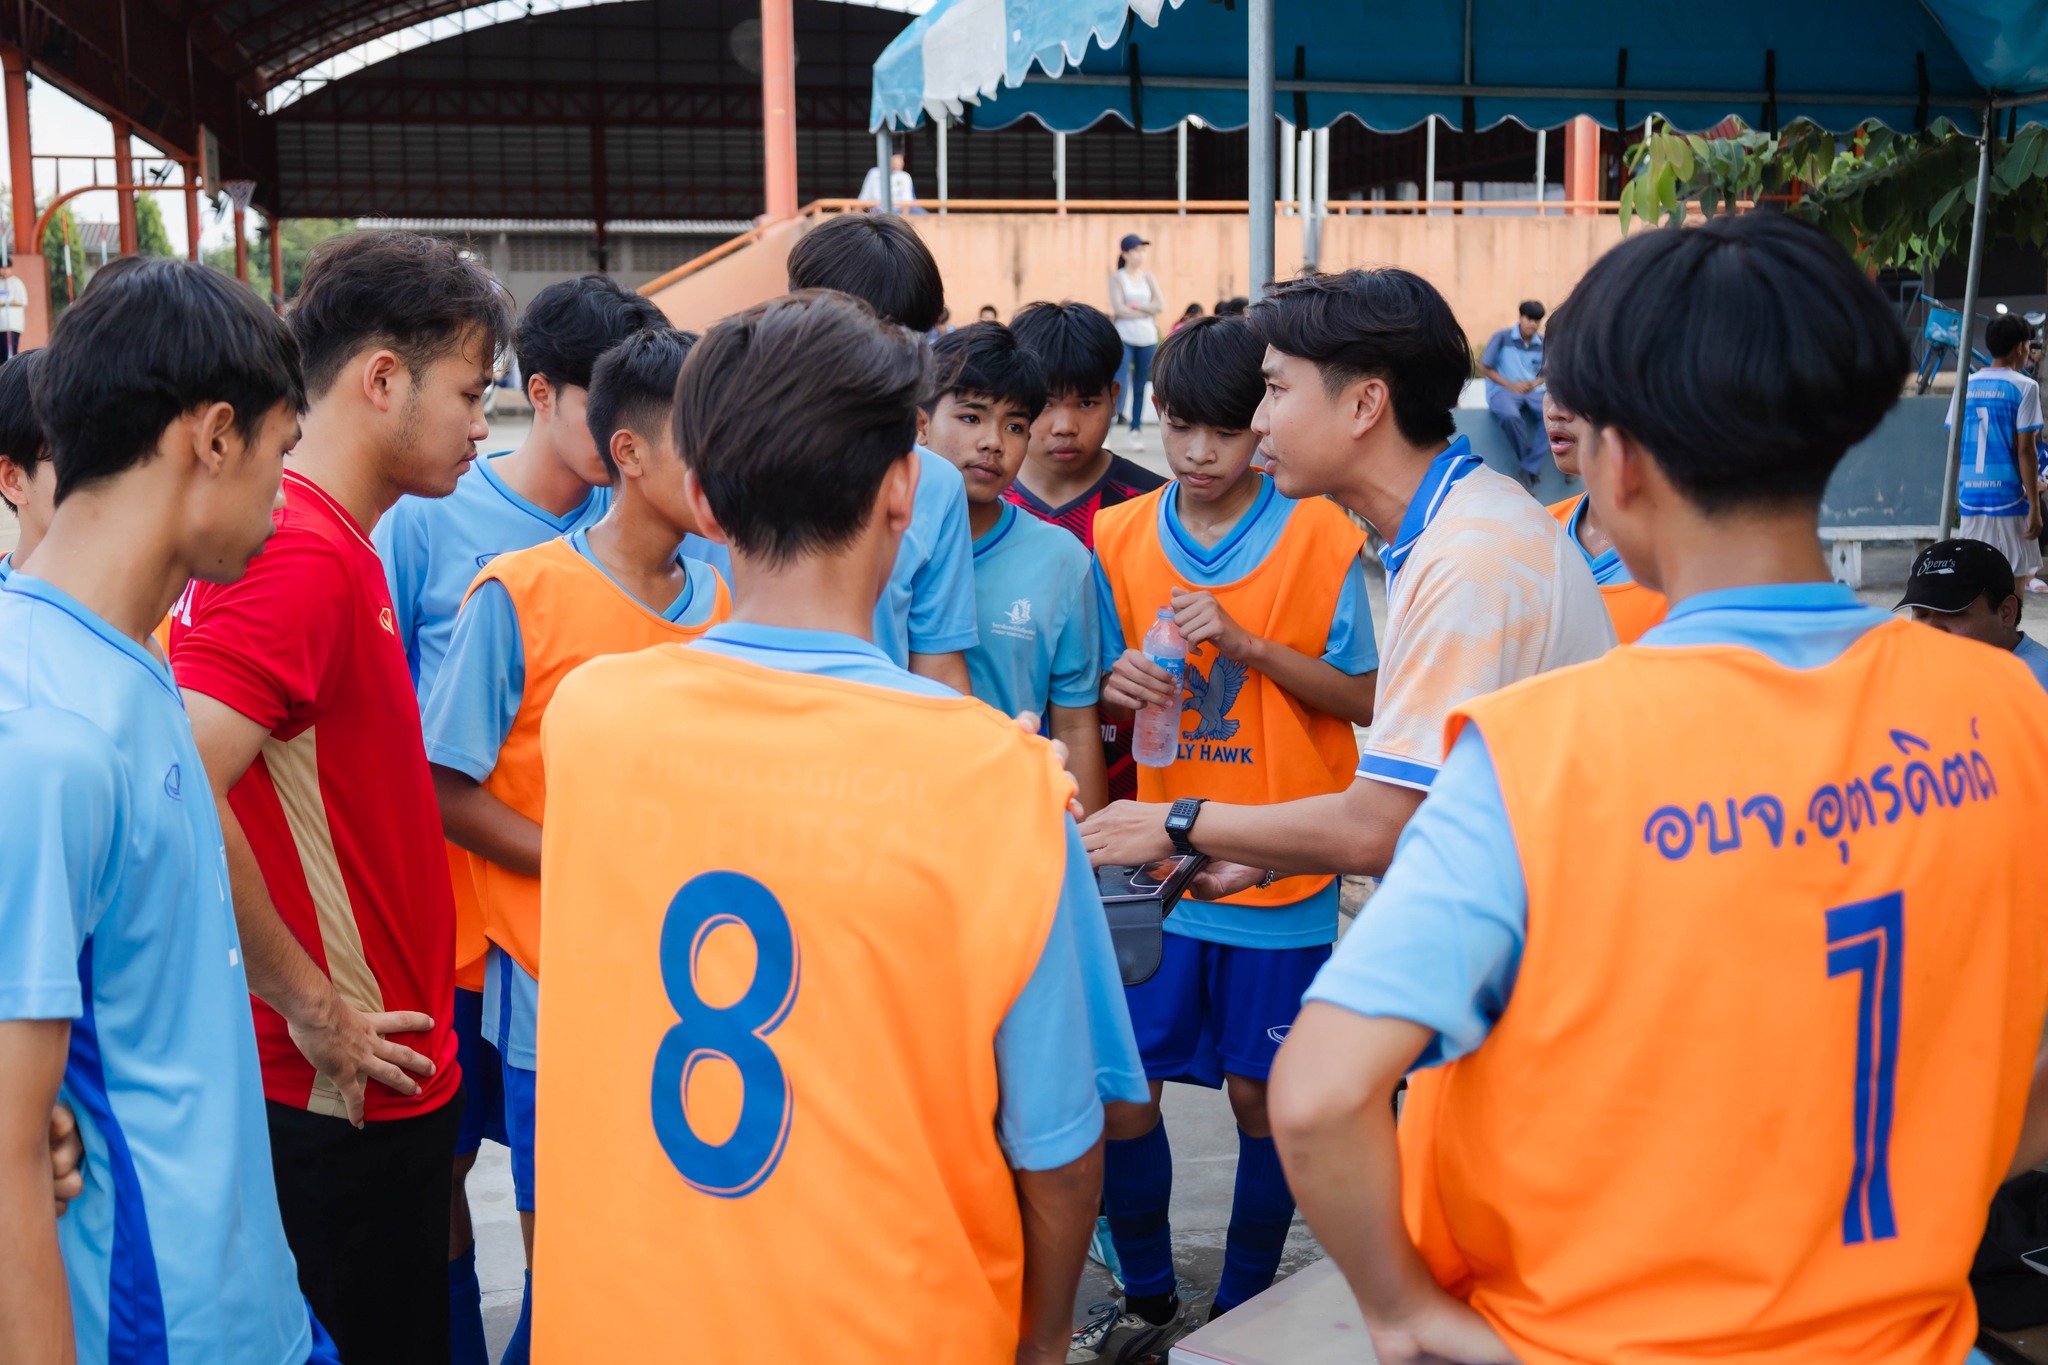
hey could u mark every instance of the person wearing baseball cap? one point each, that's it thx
(1966, 588)
(1135, 302)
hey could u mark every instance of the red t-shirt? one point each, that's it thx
(339, 807)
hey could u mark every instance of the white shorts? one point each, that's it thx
(2005, 533)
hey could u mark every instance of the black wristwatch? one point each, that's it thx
(1181, 820)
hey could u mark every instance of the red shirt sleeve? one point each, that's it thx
(265, 643)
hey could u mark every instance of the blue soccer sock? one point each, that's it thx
(466, 1312)
(1137, 1185)
(521, 1345)
(1260, 1210)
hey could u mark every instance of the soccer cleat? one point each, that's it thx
(1123, 1338)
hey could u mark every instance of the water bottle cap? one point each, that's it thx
(1166, 613)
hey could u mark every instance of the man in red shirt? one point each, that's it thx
(302, 705)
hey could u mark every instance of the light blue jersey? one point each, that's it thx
(115, 915)
(1607, 567)
(1350, 649)
(1040, 642)
(2034, 655)
(432, 549)
(2002, 404)
(1440, 942)
(6, 566)
(470, 711)
(928, 606)
(1066, 1044)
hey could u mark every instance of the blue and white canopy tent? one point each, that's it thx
(1474, 63)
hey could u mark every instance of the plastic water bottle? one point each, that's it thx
(1155, 739)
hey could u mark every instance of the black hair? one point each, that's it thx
(150, 340)
(987, 308)
(2005, 332)
(791, 414)
(1746, 356)
(1388, 323)
(569, 324)
(1193, 310)
(1532, 309)
(1232, 307)
(1076, 346)
(1208, 372)
(633, 387)
(21, 435)
(417, 295)
(877, 259)
(985, 358)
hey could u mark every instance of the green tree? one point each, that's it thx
(150, 233)
(1894, 199)
(300, 236)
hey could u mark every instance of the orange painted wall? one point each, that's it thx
(1484, 265)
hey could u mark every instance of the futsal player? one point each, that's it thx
(1632, 607)
(1269, 594)
(1724, 1045)
(169, 395)
(1040, 649)
(925, 620)
(831, 1005)
(305, 715)
(532, 616)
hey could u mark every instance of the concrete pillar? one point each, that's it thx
(1582, 163)
(28, 252)
(778, 105)
(241, 244)
(124, 175)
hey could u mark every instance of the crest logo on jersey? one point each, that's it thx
(1016, 622)
(174, 783)
(384, 619)
(1020, 611)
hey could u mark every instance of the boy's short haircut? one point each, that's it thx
(1208, 373)
(985, 358)
(2004, 333)
(1076, 346)
(149, 341)
(21, 435)
(633, 387)
(569, 324)
(1388, 323)
(877, 259)
(1746, 356)
(791, 413)
(411, 293)
(1532, 309)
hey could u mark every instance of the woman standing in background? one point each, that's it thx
(1134, 304)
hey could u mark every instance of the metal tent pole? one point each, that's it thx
(1540, 149)
(882, 156)
(1181, 164)
(945, 186)
(1259, 141)
(1967, 326)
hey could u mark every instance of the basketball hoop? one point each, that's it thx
(240, 193)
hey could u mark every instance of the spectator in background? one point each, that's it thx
(1135, 303)
(13, 310)
(1966, 588)
(1996, 483)
(902, 193)
(1194, 310)
(989, 313)
(1513, 365)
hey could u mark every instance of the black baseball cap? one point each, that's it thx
(1130, 240)
(1951, 574)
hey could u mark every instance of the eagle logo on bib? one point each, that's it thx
(1212, 697)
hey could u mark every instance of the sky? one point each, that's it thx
(64, 127)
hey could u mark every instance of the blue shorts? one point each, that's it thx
(484, 1115)
(519, 1127)
(1214, 1009)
